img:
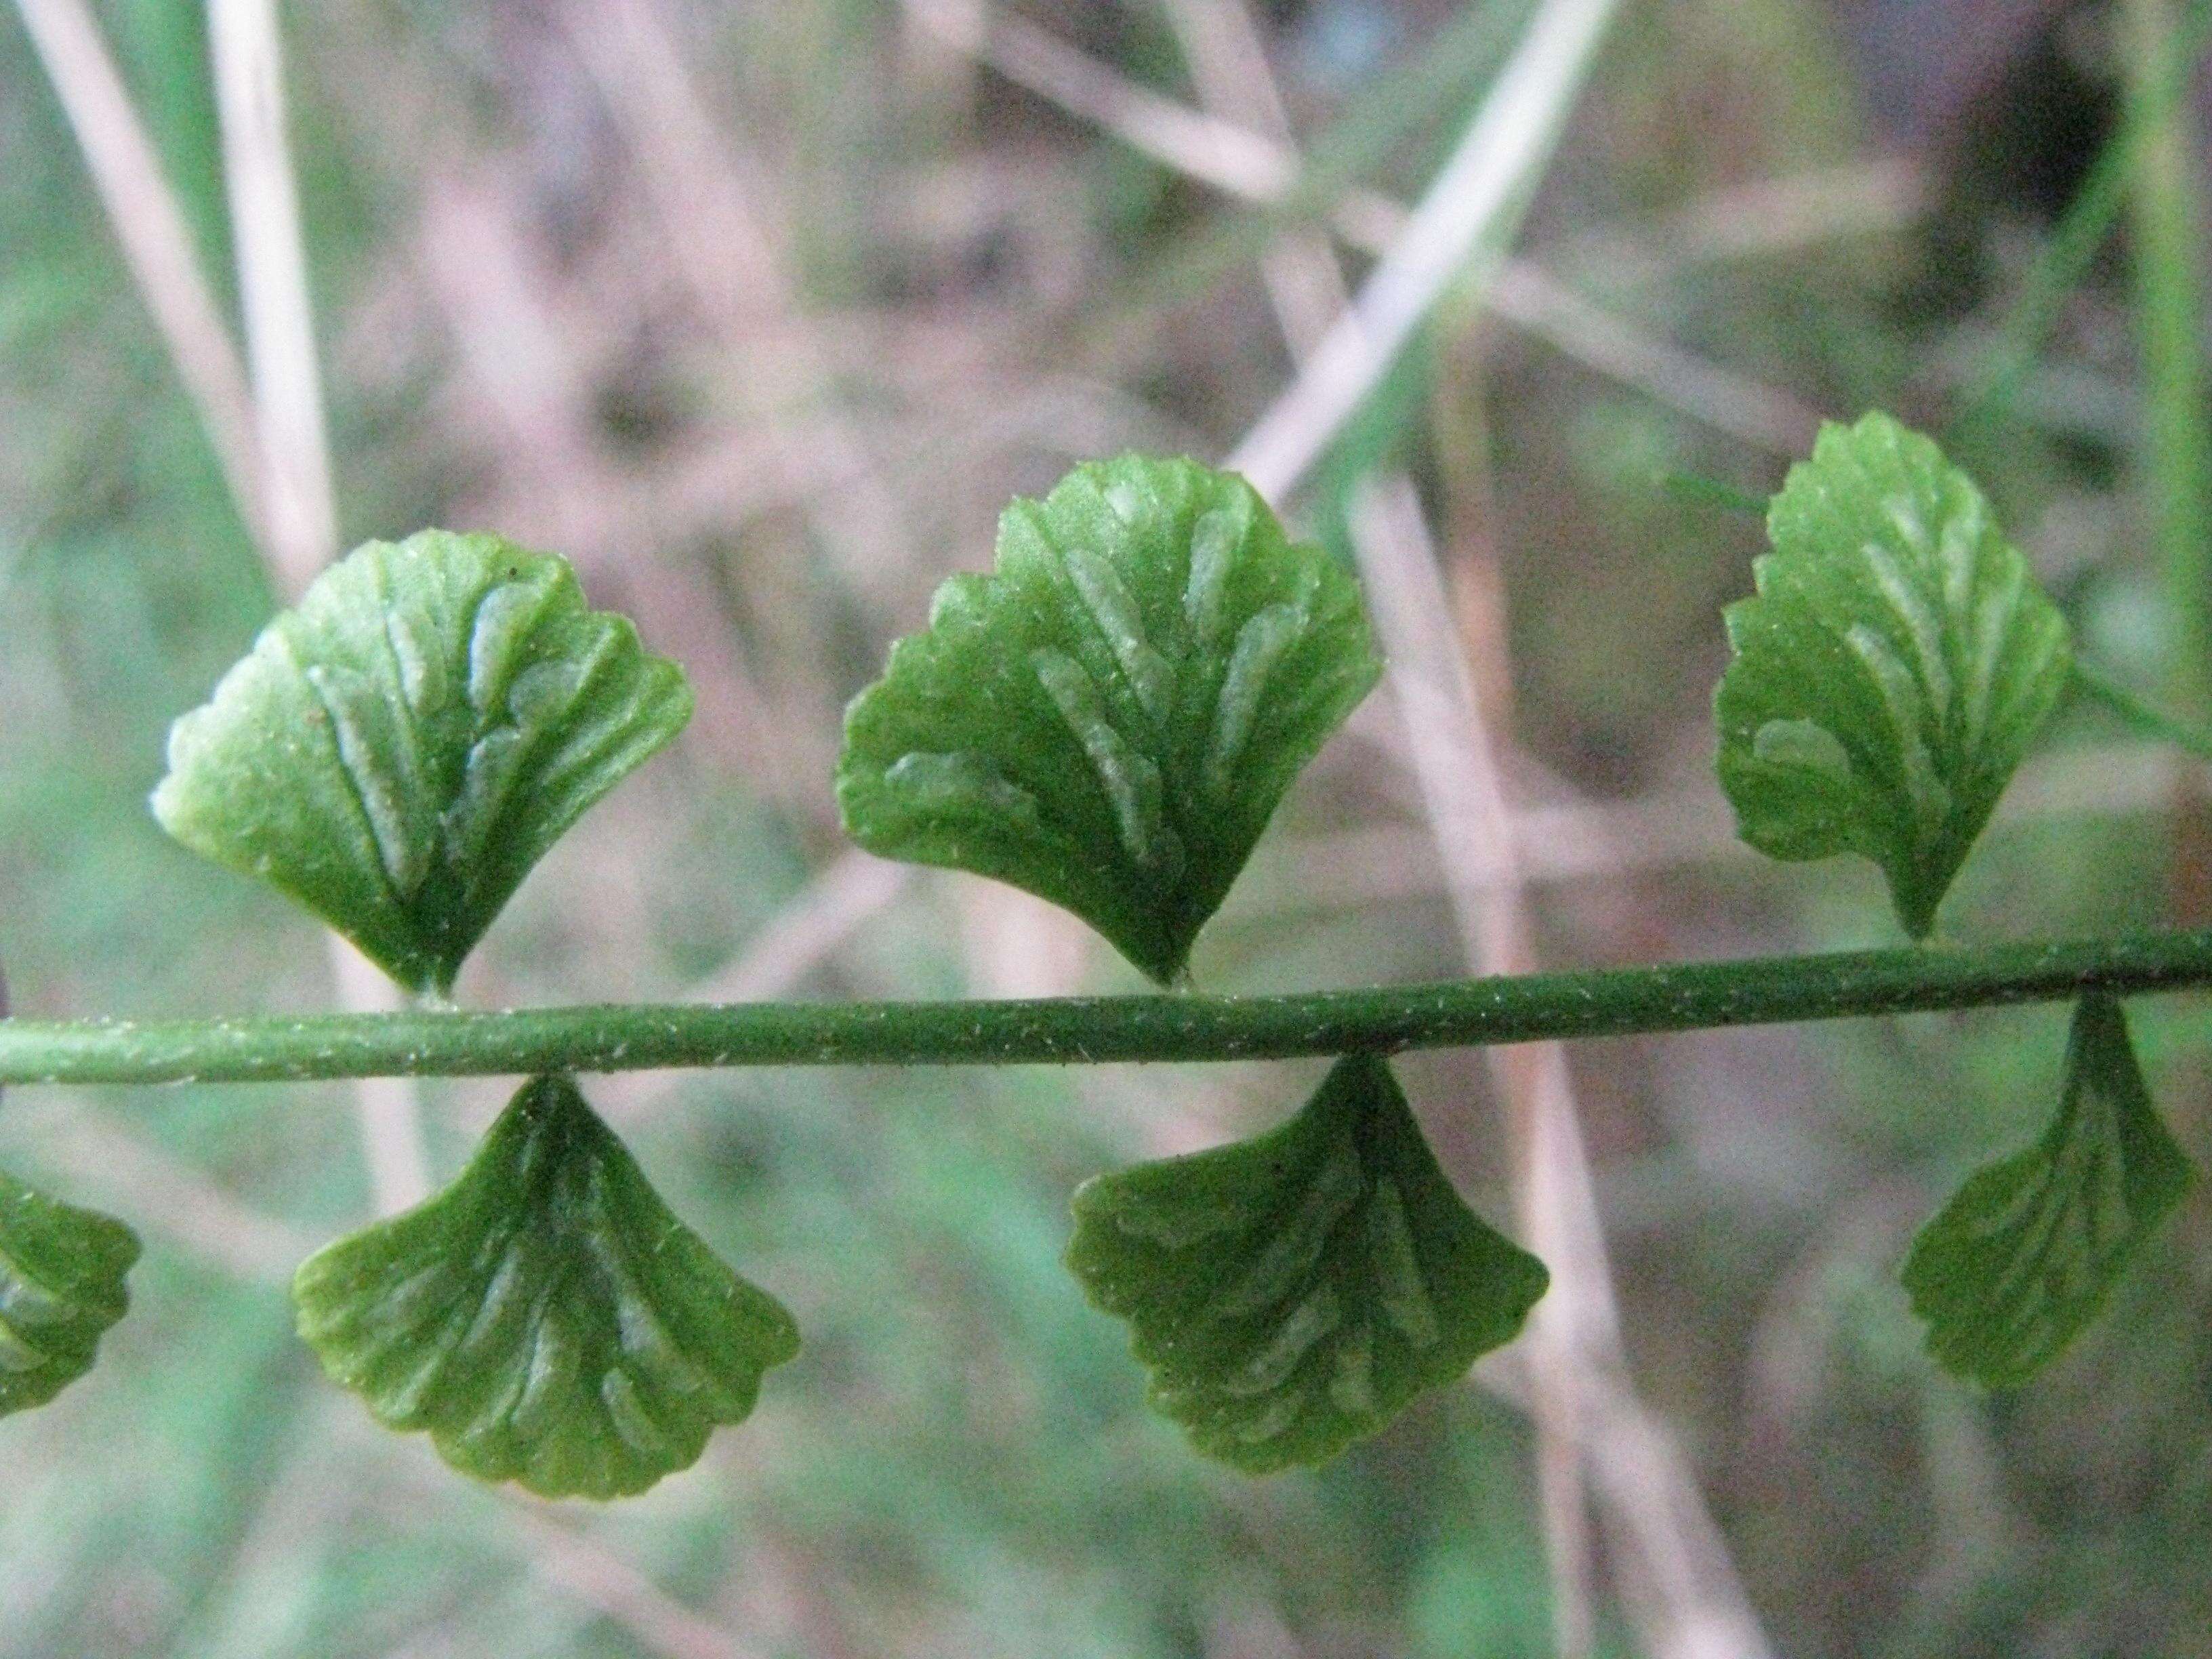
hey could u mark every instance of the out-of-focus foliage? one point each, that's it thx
(62, 1285)
(518, 337)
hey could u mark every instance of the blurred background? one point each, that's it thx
(759, 312)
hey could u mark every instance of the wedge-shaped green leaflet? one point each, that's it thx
(2023, 1257)
(1290, 1293)
(1110, 717)
(62, 1285)
(545, 1317)
(1891, 670)
(397, 751)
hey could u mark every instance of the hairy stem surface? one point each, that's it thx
(1455, 1013)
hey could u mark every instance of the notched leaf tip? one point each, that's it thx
(2024, 1256)
(1290, 1294)
(1109, 718)
(397, 750)
(545, 1318)
(1890, 670)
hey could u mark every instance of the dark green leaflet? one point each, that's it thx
(1110, 717)
(545, 1317)
(398, 750)
(1290, 1293)
(1892, 670)
(61, 1273)
(2026, 1254)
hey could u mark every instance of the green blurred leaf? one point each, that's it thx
(1290, 1293)
(2023, 1257)
(397, 751)
(1109, 719)
(545, 1317)
(61, 1286)
(1892, 669)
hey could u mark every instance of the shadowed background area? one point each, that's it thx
(759, 313)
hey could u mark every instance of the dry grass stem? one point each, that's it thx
(142, 209)
(1574, 1348)
(1253, 165)
(273, 285)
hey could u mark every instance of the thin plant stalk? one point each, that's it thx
(1472, 205)
(1463, 1013)
(1575, 1353)
(2086, 224)
(142, 211)
(299, 506)
(2168, 218)
(1392, 543)
(273, 285)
